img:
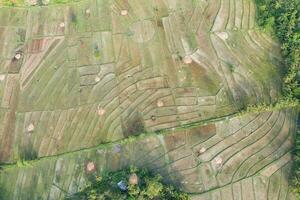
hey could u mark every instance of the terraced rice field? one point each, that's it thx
(77, 80)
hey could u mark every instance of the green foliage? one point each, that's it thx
(263, 107)
(231, 67)
(283, 18)
(11, 2)
(149, 187)
(23, 163)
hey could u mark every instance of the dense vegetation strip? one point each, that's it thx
(127, 184)
(282, 17)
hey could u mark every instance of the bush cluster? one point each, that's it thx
(282, 17)
(149, 187)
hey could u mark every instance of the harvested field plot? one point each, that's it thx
(171, 75)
